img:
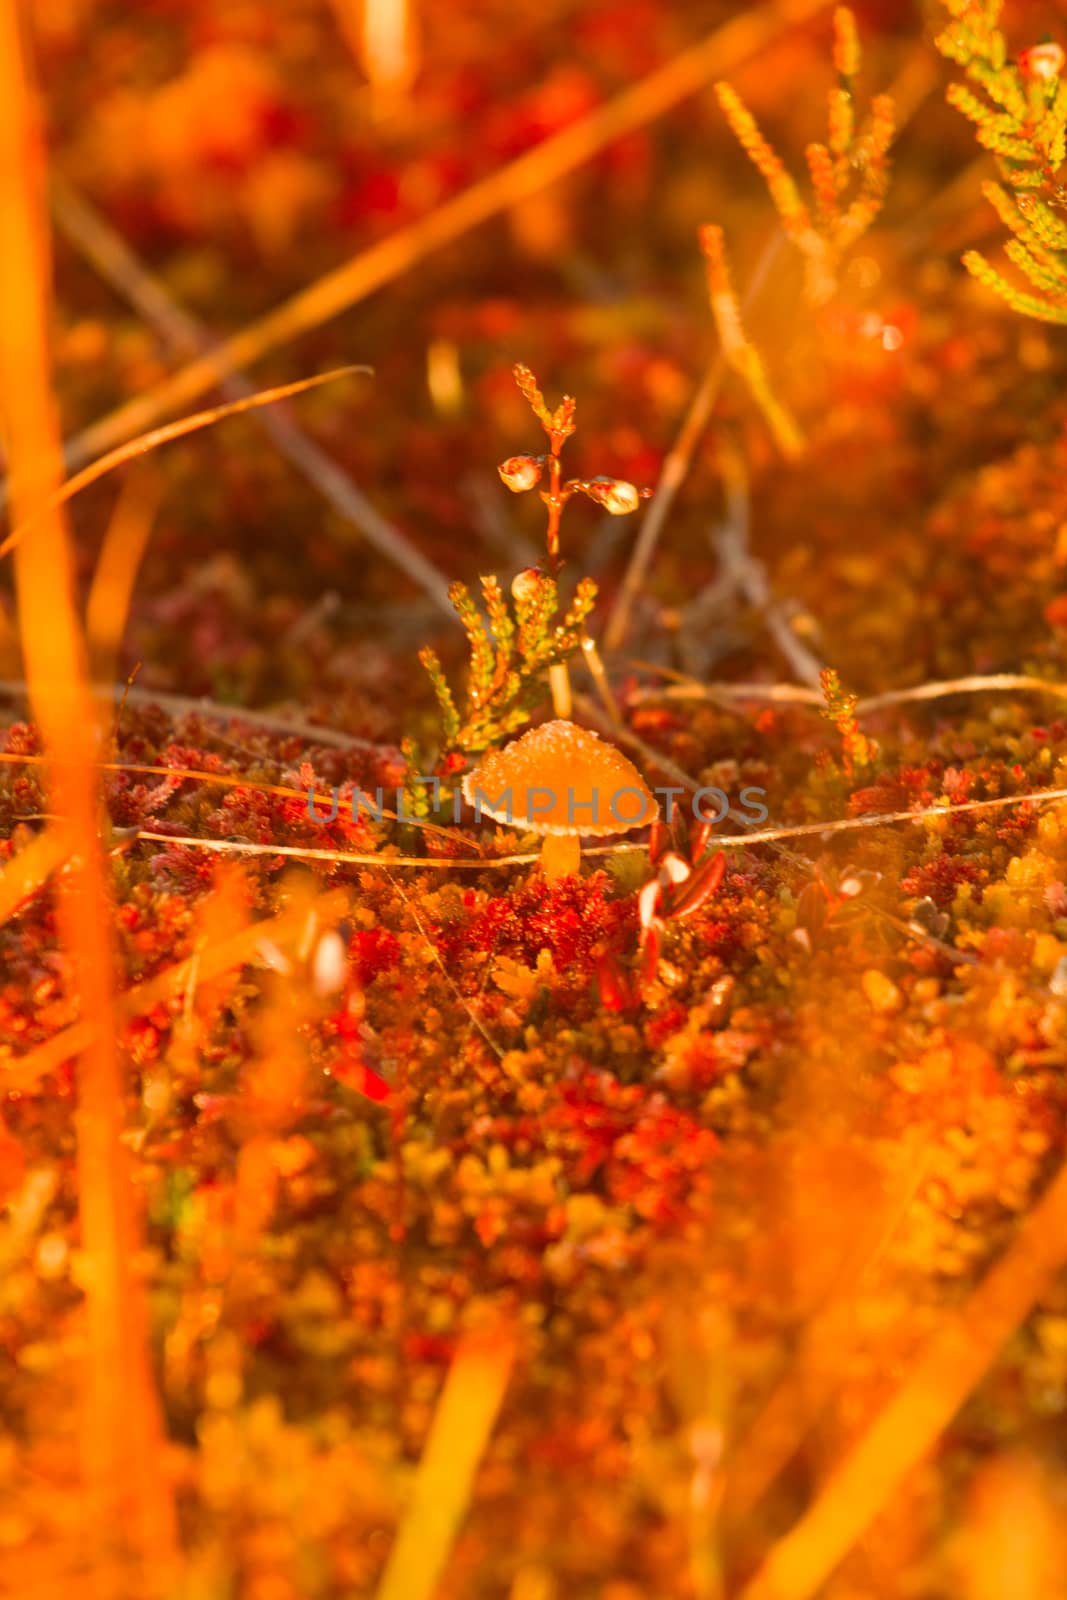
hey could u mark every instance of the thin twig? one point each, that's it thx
(116, 262)
(741, 574)
(475, 1020)
(807, 830)
(182, 705)
(595, 665)
(690, 689)
(676, 468)
(343, 858)
(164, 435)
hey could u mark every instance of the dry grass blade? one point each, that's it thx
(172, 430)
(463, 1422)
(111, 590)
(117, 264)
(212, 711)
(991, 683)
(211, 961)
(909, 1425)
(676, 469)
(350, 858)
(736, 41)
(881, 819)
(738, 350)
(789, 693)
(30, 870)
(784, 1421)
(683, 687)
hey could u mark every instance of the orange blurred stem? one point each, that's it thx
(130, 1509)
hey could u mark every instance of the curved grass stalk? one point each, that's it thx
(909, 1425)
(152, 440)
(792, 694)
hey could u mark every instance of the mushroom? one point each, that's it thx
(561, 781)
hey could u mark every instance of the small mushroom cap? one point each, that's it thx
(561, 779)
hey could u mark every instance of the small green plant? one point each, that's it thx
(521, 473)
(849, 172)
(857, 751)
(1020, 114)
(513, 646)
(510, 650)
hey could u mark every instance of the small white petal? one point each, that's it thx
(676, 869)
(330, 965)
(647, 901)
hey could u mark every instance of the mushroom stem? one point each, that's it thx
(561, 854)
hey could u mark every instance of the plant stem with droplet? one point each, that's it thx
(559, 679)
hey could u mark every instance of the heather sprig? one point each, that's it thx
(525, 472)
(511, 648)
(849, 173)
(521, 473)
(857, 751)
(1020, 115)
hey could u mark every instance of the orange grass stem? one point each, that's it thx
(909, 1425)
(206, 963)
(31, 868)
(108, 605)
(463, 1423)
(132, 1515)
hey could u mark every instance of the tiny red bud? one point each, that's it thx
(520, 472)
(1044, 61)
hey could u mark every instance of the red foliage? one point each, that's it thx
(373, 951)
(568, 918)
